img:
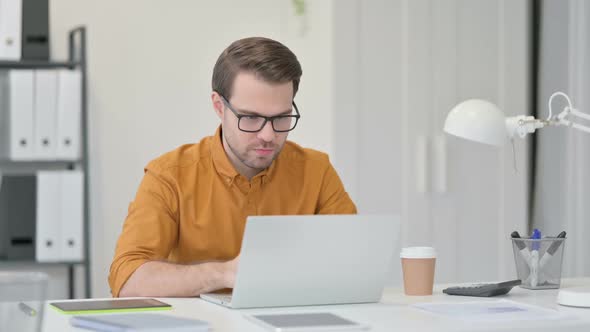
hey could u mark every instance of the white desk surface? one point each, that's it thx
(393, 313)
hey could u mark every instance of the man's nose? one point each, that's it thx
(267, 134)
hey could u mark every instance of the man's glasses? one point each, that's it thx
(255, 123)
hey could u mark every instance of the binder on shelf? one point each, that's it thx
(16, 114)
(10, 29)
(35, 30)
(45, 114)
(60, 216)
(17, 217)
(71, 215)
(69, 112)
(47, 237)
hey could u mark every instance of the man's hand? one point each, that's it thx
(231, 268)
(162, 279)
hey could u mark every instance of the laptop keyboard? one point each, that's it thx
(224, 298)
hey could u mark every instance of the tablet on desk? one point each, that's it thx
(104, 306)
(319, 321)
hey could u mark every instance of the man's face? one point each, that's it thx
(250, 153)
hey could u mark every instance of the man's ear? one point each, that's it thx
(218, 105)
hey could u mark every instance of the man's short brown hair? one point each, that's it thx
(268, 59)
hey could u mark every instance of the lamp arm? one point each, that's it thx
(580, 114)
(581, 127)
(555, 94)
(561, 119)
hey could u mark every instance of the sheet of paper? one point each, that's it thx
(487, 311)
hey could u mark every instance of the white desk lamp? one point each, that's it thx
(481, 121)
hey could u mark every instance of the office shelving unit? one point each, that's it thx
(76, 60)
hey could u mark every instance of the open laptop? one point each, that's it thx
(312, 260)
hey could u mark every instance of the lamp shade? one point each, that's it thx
(477, 120)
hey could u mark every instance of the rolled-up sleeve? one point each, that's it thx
(150, 230)
(333, 197)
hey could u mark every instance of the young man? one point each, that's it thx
(183, 232)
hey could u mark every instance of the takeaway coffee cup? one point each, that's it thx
(418, 269)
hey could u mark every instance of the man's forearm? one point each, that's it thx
(164, 279)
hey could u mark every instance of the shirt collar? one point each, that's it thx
(220, 159)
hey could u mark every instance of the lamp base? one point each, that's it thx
(574, 297)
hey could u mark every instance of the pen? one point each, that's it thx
(524, 251)
(535, 258)
(27, 310)
(552, 249)
(536, 236)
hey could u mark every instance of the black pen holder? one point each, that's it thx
(538, 262)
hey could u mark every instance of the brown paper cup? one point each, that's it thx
(418, 264)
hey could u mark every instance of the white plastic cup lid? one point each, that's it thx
(418, 252)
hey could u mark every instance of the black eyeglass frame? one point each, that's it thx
(296, 116)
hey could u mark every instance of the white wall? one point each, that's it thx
(150, 65)
(563, 156)
(406, 64)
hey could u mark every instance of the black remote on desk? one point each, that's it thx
(483, 290)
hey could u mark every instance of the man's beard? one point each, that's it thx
(244, 158)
